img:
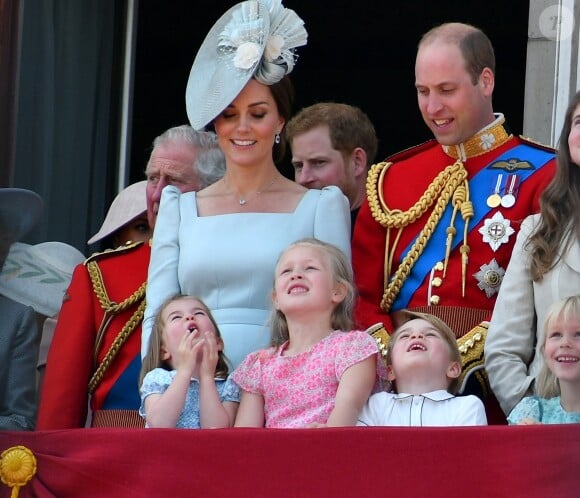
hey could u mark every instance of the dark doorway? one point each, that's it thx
(360, 52)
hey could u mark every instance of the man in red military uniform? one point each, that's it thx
(95, 353)
(436, 231)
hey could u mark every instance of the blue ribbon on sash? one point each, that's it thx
(479, 190)
(124, 394)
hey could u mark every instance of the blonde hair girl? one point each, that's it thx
(558, 383)
(317, 372)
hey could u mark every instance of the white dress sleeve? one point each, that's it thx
(162, 279)
(332, 219)
(511, 338)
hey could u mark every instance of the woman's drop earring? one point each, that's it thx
(277, 138)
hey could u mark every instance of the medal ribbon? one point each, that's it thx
(478, 187)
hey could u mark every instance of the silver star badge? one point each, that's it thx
(496, 231)
(489, 277)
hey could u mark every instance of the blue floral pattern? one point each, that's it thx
(545, 411)
(158, 380)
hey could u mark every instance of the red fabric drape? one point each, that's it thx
(531, 461)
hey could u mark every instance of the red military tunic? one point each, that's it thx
(403, 184)
(71, 365)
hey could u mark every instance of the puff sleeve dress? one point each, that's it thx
(228, 260)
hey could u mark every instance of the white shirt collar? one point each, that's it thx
(439, 395)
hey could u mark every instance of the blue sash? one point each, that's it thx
(479, 191)
(124, 394)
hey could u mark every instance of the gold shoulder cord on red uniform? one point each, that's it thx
(111, 309)
(449, 185)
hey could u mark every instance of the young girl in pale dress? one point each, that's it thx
(184, 378)
(558, 383)
(317, 371)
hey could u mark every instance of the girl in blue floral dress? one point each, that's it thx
(184, 378)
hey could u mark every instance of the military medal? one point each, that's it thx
(494, 200)
(489, 277)
(509, 199)
(496, 231)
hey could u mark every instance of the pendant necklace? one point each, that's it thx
(242, 201)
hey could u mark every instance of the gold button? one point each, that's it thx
(438, 266)
(434, 300)
(436, 282)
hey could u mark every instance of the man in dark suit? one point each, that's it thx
(19, 211)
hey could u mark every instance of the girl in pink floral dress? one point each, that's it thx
(317, 372)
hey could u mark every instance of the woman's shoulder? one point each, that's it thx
(326, 200)
(170, 191)
(331, 190)
(172, 195)
(326, 194)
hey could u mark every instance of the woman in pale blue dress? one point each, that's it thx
(223, 242)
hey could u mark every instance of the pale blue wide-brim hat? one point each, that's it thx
(20, 210)
(255, 38)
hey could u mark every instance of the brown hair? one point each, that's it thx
(283, 94)
(348, 127)
(438, 325)
(341, 318)
(474, 45)
(153, 359)
(559, 207)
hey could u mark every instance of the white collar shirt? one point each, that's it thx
(436, 408)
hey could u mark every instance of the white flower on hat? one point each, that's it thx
(247, 54)
(273, 48)
(253, 39)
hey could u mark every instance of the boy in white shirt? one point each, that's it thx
(424, 365)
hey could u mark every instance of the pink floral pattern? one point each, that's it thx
(299, 390)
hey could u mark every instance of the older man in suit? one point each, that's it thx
(19, 211)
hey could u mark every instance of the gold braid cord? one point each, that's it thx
(111, 308)
(438, 194)
(99, 288)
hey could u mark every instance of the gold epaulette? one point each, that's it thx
(127, 247)
(379, 334)
(539, 145)
(471, 347)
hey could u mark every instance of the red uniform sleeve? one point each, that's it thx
(368, 257)
(64, 396)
